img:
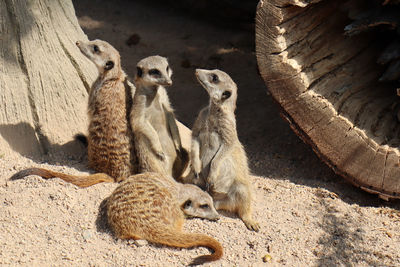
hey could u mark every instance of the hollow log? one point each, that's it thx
(327, 85)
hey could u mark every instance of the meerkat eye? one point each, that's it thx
(187, 204)
(167, 69)
(226, 95)
(154, 72)
(214, 78)
(96, 49)
(204, 206)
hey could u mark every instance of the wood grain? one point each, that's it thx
(327, 86)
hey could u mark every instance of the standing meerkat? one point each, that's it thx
(218, 158)
(110, 140)
(152, 206)
(157, 139)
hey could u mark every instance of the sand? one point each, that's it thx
(308, 215)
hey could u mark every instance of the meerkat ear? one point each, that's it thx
(226, 95)
(139, 72)
(109, 65)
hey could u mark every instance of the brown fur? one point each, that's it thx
(157, 139)
(110, 141)
(218, 159)
(151, 206)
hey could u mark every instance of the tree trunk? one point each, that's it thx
(44, 79)
(327, 86)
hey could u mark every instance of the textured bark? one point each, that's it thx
(44, 78)
(327, 87)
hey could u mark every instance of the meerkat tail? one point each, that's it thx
(81, 181)
(188, 240)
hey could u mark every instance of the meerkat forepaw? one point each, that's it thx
(252, 225)
(209, 186)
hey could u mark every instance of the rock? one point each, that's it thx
(87, 234)
(141, 242)
(267, 258)
(134, 39)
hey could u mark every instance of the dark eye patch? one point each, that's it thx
(96, 49)
(155, 72)
(139, 72)
(226, 95)
(187, 204)
(214, 78)
(204, 206)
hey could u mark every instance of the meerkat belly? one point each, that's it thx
(226, 176)
(158, 121)
(209, 146)
(108, 143)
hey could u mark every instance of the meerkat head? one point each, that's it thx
(219, 85)
(197, 203)
(153, 70)
(101, 53)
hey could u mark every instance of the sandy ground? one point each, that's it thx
(308, 215)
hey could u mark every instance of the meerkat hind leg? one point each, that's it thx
(246, 215)
(239, 202)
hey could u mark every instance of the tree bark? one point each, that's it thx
(44, 79)
(327, 86)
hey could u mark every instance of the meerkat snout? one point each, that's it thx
(218, 84)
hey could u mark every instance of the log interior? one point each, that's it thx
(327, 85)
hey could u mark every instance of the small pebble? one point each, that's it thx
(267, 258)
(87, 234)
(141, 242)
(134, 39)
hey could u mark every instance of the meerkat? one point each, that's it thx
(157, 139)
(218, 159)
(110, 141)
(152, 206)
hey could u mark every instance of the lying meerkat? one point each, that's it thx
(157, 139)
(152, 206)
(218, 158)
(110, 140)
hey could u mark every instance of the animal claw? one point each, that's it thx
(252, 225)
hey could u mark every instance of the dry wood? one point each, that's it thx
(327, 87)
(391, 52)
(373, 18)
(392, 73)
